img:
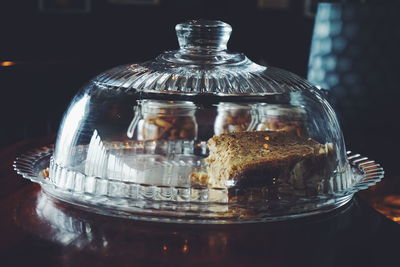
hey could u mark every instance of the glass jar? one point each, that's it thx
(234, 117)
(164, 120)
(281, 118)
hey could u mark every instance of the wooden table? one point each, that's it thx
(39, 231)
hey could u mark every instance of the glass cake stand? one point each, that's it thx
(186, 204)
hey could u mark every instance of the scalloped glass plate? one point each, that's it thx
(183, 204)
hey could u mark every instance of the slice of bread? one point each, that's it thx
(262, 158)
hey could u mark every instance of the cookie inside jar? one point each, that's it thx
(235, 117)
(164, 120)
(281, 118)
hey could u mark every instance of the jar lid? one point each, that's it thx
(164, 106)
(203, 65)
(234, 106)
(281, 110)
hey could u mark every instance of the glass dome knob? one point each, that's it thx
(203, 35)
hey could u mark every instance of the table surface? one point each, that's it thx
(40, 231)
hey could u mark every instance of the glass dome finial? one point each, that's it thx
(203, 35)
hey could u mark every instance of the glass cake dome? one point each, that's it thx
(203, 135)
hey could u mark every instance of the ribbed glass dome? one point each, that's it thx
(201, 134)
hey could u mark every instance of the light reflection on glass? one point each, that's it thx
(66, 228)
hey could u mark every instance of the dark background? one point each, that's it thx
(57, 45)
(57, 52)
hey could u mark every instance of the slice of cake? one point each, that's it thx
(262, 158)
